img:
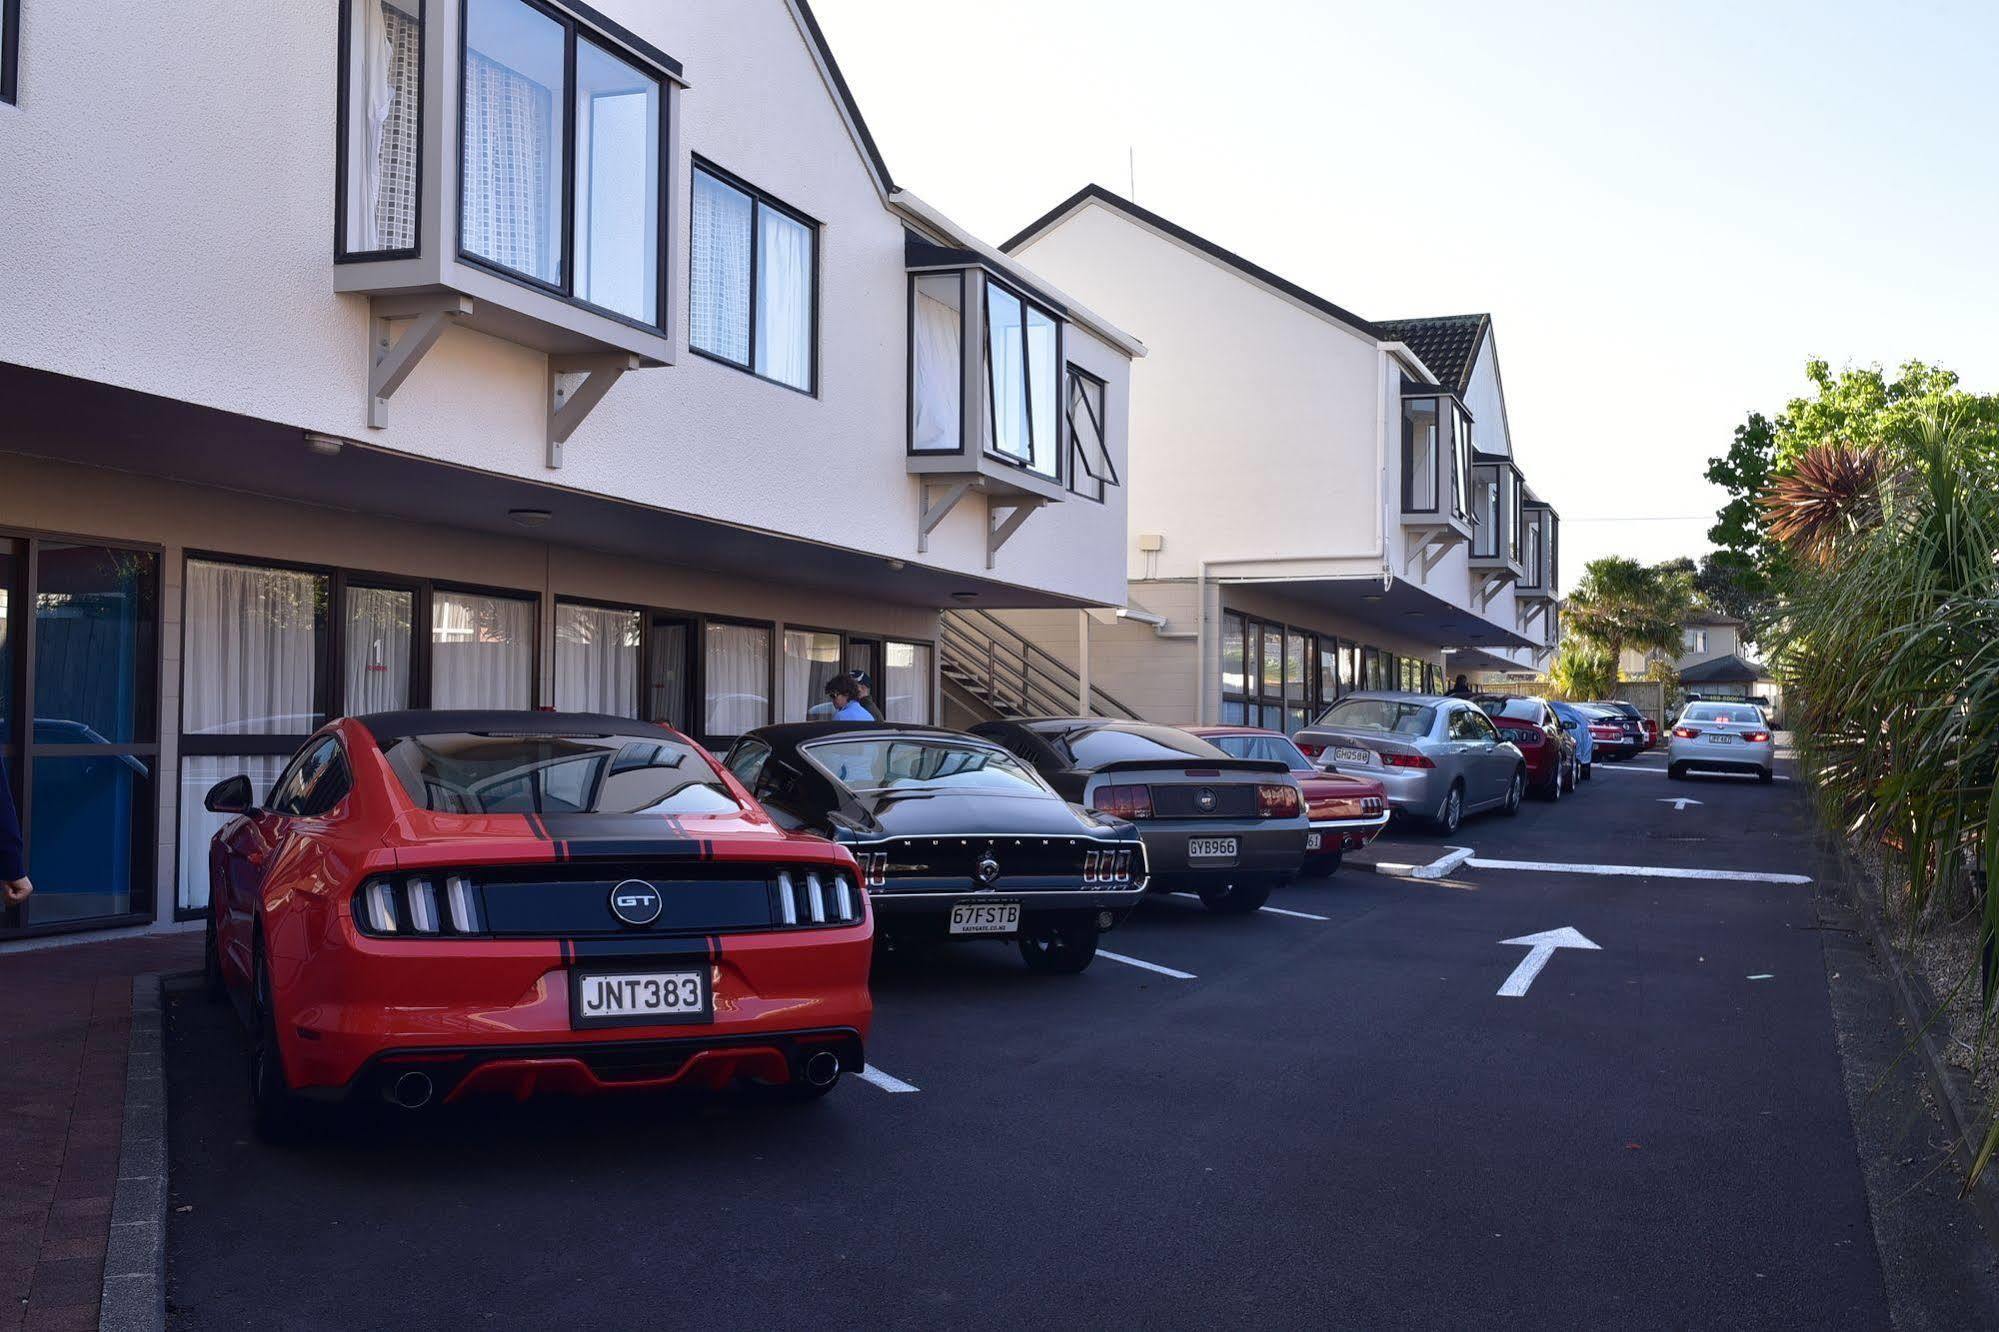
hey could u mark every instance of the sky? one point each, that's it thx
(1666, 207)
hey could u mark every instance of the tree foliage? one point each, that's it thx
(1582, 671)
(1620, 603)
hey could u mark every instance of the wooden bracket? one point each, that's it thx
(390, 358)
(998, 532)
(568, 404)
(947, 494)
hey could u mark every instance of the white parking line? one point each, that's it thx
(1147, 966)
(1302, 915)
(1637, 871)
(870, 1074)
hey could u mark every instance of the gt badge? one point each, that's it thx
(987, 870)
(1204, 800)
(636, 902)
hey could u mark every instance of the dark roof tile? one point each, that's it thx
(1447, 344)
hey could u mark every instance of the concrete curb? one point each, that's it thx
(134, 1294)
(1951, 1087)
(1453, 857)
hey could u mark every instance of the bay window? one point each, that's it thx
(1485, 510)
(381, 127)
(1420, 463)
(1022, 361)
(753, 290)
(937, 363)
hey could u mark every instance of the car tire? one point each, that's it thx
(1516, 793)
(1676, 771)
(274, 1109)
(212, 983)
(1586, 771)
(1237, 899)
(1321, 865)
(1452, 812)
(1059, 950)
(1553, 794)
(1766, 775)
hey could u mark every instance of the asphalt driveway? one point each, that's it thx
(1324, 1113)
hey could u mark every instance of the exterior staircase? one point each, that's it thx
(991, 672)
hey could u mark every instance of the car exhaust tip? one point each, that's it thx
(412, 1091)
(821, 1068)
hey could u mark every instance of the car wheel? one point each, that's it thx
(1237, 899)
(1766, 775)
(1452, 812)
(211, 964)
(1321, 865)
(1554, 791)
(272, 1104)
(1676, 771)
(1586, 768)
(1516, 791)
(1059, 950)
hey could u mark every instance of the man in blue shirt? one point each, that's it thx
(13, 867)
(840, 689)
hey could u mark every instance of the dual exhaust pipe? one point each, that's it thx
(414, 1090)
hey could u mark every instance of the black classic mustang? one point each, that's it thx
(954, 836)
(1229, 828)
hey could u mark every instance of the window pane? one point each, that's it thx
(1006, 374)
(13, 578)
(596, 660)
(91, 822)
(617, 184)
(736, 667)
(810, 660)
(670, 668)
(1419, 454)
(1044, 383)
(511, 210)
(481, 651)
(1232, 650)
(1329, 671)
(377, 647)
(252, 642)
(96, 621)
(1273, 662)
(198, 772)
(937, 368)
(904, 690)
(1090, 467)
(1294, 666)
(384, 71)
(784, 299)
(719, 268)
(1234, 714)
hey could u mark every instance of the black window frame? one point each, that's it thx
(1483, 532)
(1436, 447)
(989, 436)
(1073, 377)
(342, 254)
(759, 198)
(642, 689)
(589, 27)
(1461, 462)
(1258, 693)
(10, 52)
(909, 342)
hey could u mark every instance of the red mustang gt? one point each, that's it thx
(1346, 812)
(435, 904)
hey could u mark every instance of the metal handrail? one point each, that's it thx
(1016, 673)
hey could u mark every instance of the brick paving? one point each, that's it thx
(65, 1023)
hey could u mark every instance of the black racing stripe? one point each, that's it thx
(537, 827)
(690, 948)
(626, 848)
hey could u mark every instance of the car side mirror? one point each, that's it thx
(231, 795)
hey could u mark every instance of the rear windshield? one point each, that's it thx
(1267, 747)
(1094, 746)
(882, 764)
(498, 773)
(1515, 709)
(1386, 716)
(1740, 715)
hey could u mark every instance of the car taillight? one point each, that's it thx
(817, 899)
(1372, 804)
(1684, 733)
(1309, 750)
(1757, 737)
(1107, 867)
(1124, 802)
(874, 868)
(1524, 735)
(413, 905)
(1276, 802)
(1392, 760)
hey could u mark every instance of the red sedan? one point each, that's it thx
(1346, 812)
(431, 905)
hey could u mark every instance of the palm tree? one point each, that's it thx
(1620, 604)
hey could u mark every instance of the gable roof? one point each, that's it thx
(1725, 669)
(1714, 617)
(863, 136)
(1227, 258)
(1448, 344)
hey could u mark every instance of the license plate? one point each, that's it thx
(1210, 848)
(639, 998)
(1342, 754)
(1313, 841)
(985, 918)
(1720, 738)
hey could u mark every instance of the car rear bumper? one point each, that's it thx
(1409, 790)
(1344, 834)
(929, 913)
(356, 1002)
(1738, 757)
(1273, 848)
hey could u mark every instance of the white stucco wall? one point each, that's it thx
(168, 228)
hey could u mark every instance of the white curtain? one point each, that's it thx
(377, 669)
(596, 660)
(784, 299)
(737, 673)
(940, 368)
(251, 646)
(810, 660)
(905, 684)
(719, 296)
(482, 651)
(198, 772)
(370, 96)
(510, 207)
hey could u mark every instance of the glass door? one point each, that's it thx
(865, 654)
(670, 672)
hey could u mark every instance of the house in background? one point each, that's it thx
(1705, 635)
(1319, 502)
(492, 354)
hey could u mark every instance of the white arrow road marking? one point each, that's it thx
(1147, 966)
(871, 1074)
(1541, 947)
(1637, 871)
(1452, 858)
(1680, 803)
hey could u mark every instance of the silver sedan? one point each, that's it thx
(1439, 758)
(1726, 737)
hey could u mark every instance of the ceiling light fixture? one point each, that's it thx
(964, 596)
(326, 446)
(530, 517)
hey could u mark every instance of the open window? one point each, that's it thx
(1090, 468)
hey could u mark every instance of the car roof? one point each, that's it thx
(789, 735)
(1402, 696)
(390, 726)
(1220, 729)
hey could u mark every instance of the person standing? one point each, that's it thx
(864, 693)
(1462, 689)
(840, 689)
(14, 884)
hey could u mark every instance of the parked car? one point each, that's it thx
(431, 905)
(956, 837)
(1728, 737)
(1630, 725)
(1537, 733)
(1644, 728)
(1230, 829)
(1438, 758)
(1346, 812)
(1576, 723)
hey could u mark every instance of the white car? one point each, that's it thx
(1728, 737)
